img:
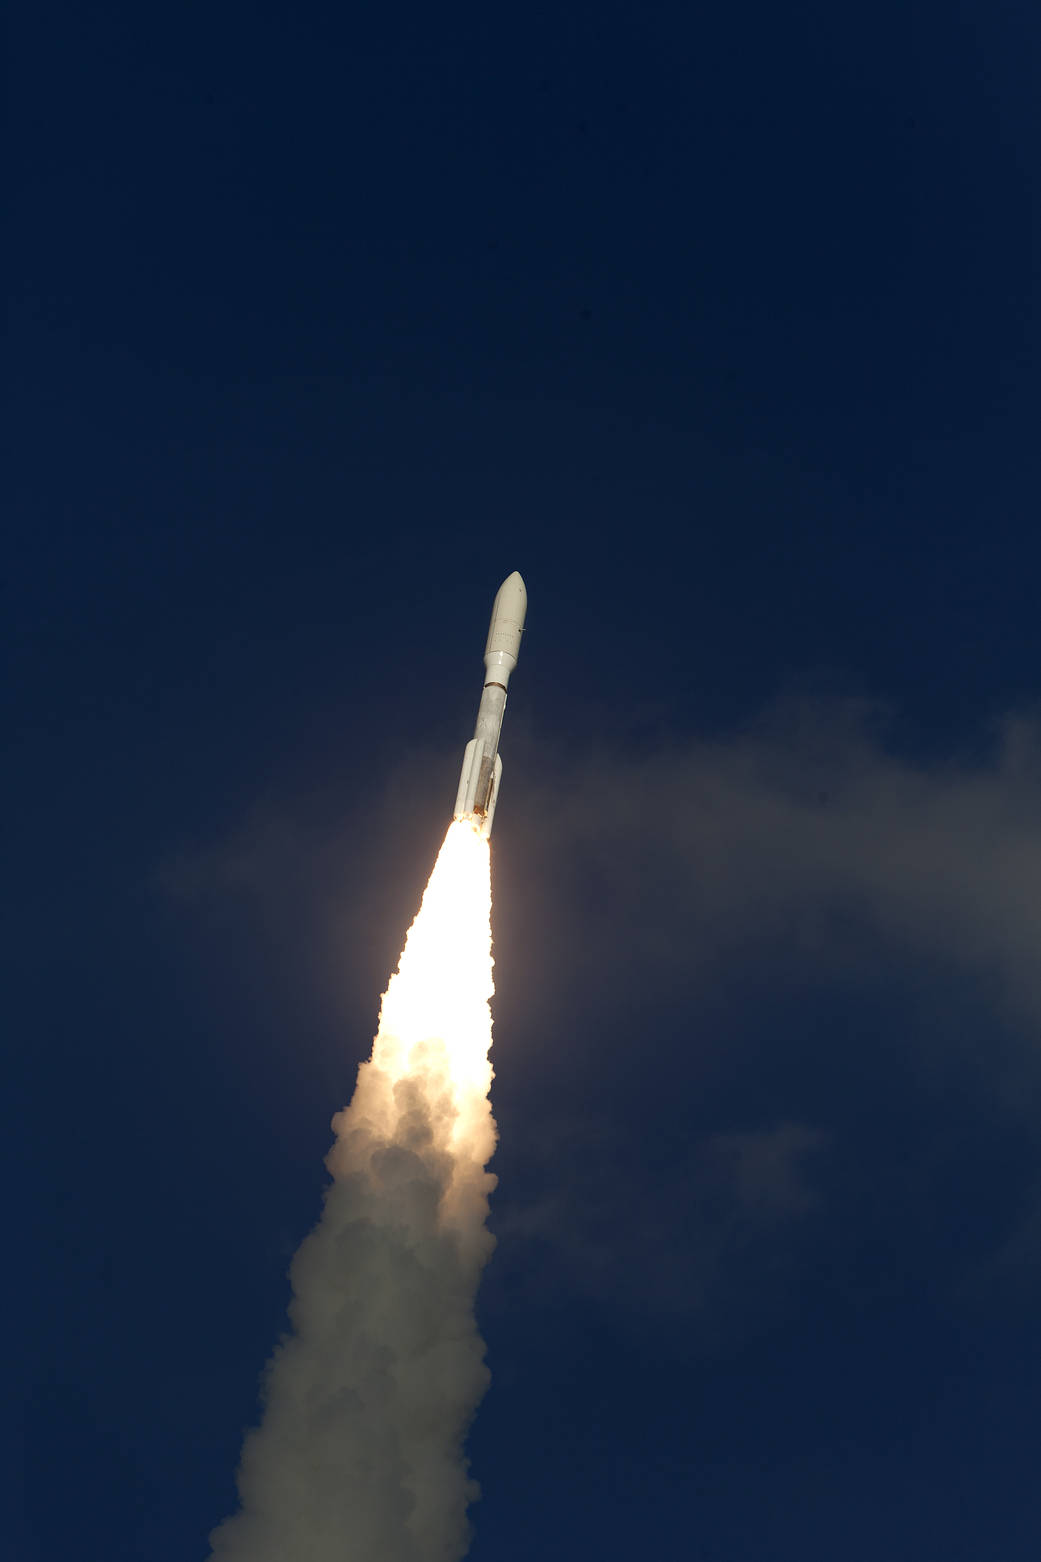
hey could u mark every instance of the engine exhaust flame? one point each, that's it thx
(367, 1400)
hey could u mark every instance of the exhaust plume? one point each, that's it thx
(367, 1400)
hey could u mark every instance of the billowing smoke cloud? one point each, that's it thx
(368, 1399)
(649, 883)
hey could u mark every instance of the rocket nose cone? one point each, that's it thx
(511, 600)
(508, 612)
(513, 589)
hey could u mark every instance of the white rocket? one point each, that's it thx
(482, 767)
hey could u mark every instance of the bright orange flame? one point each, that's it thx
(441, 988)
(435, 1027)
(385, 1353)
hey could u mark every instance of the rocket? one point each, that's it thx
(482, 767)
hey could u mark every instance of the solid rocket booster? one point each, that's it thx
(482, 767)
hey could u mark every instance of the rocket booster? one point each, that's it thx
(482, 767)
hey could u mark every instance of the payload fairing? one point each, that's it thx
(482, 767)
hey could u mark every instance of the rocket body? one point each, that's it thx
(482, 767)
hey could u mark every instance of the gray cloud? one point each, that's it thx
(655, 900)
(706, 1243)
(798, 831)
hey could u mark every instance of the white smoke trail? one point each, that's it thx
(360, 1451)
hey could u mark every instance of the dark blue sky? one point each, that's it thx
(723, 327)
